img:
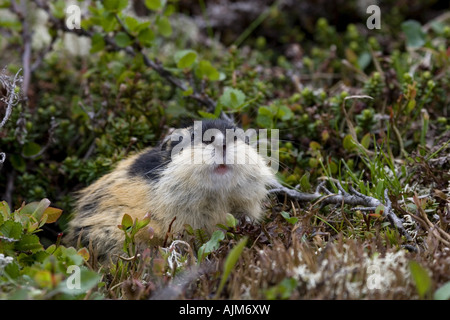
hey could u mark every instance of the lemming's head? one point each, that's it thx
(214, 154)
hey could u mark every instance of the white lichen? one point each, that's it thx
(357, 276)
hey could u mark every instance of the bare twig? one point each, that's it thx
(303, 197)
(168, 232)
(354, 198)
(13, 96)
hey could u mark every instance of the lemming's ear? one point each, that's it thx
(178, 136)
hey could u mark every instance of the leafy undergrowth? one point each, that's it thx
(365, 108)
(296, 253)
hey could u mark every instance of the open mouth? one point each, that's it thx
(221, 169)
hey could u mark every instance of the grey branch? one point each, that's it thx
(13, 87)
(353, 198)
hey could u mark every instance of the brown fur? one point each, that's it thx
(191, 193)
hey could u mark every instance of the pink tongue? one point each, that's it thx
(221, 169)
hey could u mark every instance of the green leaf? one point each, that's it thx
(108, 22)
(84, 253)
(283, 290)
(443, 293)
(154, 4)
(288, 218)
(43, 279)
(207, 115)
(188, 92)
(283, 112)
(88, 280)
(18, 162)
(29, 242)
(142, 223)
(122, 39)
(30, 149)
(127, 221)
(410, 106)
(131, 23)
(11, 229)
(10, 24)
(349, 143)
(170, 9)
(313, 162)
(212, 245)
(232, 98)
(97, 43)
(438, 26)
(364, 60)
(146, 37)
(115, 5)
(142, 26)
(421, 278)
(12, 270)
(5, 211)
(59, 9)
(304, 181)
(185, 58)
(380, 209)
(333, 168)
(40, 208)
(231, 221)
(230, 262)
(53, 214)
(36, 209)
(206, 70)
(365, 141)
(415, 36)
(314, 145)
(164, 27)
(264, 117)
(380, 188)
(218, 110)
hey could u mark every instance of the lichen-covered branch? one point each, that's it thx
(13, 88)
(354, 198)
